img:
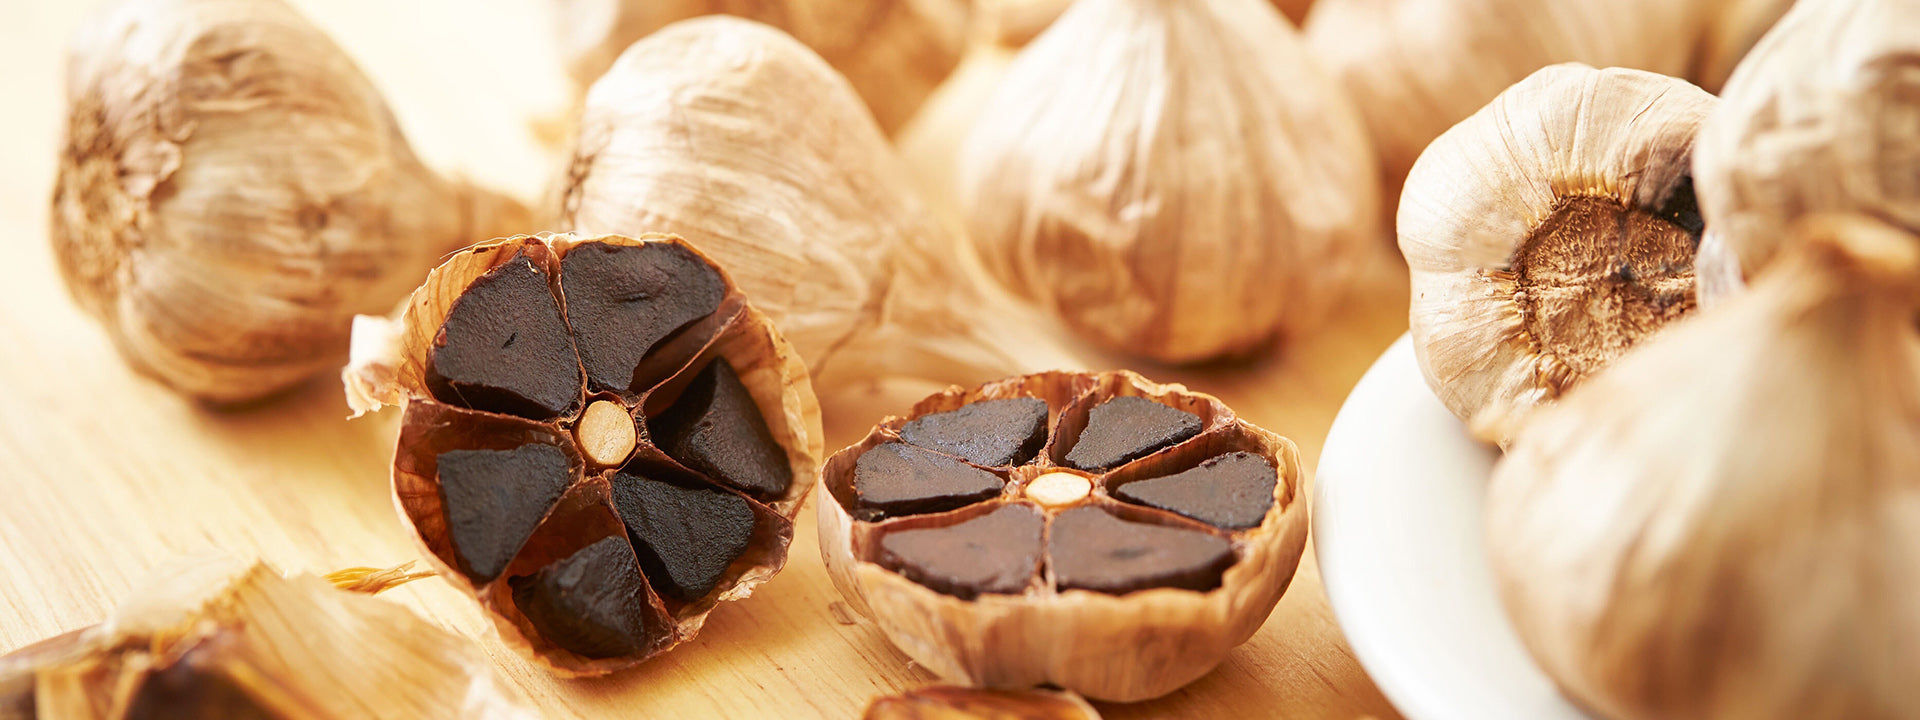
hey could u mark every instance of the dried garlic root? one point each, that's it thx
(1096, 532)
(223, 640)
(736, 137)
(1726, 524)
(893, 51)
(232, 190)
(1823, 116)
(1548, 234)
(602, 440)
(1175, 180)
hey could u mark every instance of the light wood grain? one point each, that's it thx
(105, 475)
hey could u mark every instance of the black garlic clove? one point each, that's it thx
(1232, 491)
(495, 498)
(715, 428)
(897, 479)
(1093, 550)
(993, 433)
(686, 537)
(593, 602)
(623, 300)
(1128, 428)
(995, 553)
(505, 348)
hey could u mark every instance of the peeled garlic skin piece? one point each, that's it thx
(232, 190)
(895, 52)
(1474, 229)
(1726, 524)
(1822, 116)
(1176, 180)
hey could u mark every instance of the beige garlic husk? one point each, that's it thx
(1726, 524)
(232, 190)
(1823, 116)
(1014, 23)
(1176, 180)
(217, 638)
(1548, 234)
(895, 52)
(1416, 67)
(732, 135)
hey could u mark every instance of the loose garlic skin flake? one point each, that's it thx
(1726, 524)
(1547, 234)
(1176, 180)
(895, 52)
(1823, 116)
(233, 190)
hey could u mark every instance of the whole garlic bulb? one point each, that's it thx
(1177, 180)
(232, 190)
(1547, 234)
(1820, 117)
(1726, 524)
(894, 51)
(1416, 67)
(741, 140)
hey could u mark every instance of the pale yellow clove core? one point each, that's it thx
(1058, 488)
(605, 433)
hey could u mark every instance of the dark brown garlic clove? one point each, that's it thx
(1051, 575)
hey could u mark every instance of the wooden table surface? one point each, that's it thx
(105, 475)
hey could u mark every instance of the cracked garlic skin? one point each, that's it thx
(695, 131)
(1175, 180)
(1096, 532)
(1548, 234)
(232, 190)
(894, 52)
(223, 639)
(602, 440)
(1726, 524)
(1822, 116)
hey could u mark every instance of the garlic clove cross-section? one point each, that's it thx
(233, 190)
(1548, 234)
(1175, 180)
(601, 440)
(1726, 524)
(1820, 117)
(1121, 583)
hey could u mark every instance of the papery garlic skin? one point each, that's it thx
(1822, 116)
(1176, 180)
(1726, 524)
(1416, 67)
(893, 51)
(1548, 233)
(232, 190)
(291, 647)
(733, 135)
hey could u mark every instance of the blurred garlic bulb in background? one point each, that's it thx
(1726, 524)
(1416, 67)
(1548, 234)
(1824, 115)
(1176, 180)
(741, 140)
(233, 190)
(1014, 23)
(893, 51)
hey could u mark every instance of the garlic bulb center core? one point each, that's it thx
(1055, 489)
(606, 433)
(1597, 274)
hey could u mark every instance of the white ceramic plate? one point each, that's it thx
(1397, 528)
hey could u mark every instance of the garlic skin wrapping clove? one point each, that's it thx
(732, 135)
(227, 639)
(232, 190)
(893, 51)
(1175, 180)
(1820, 117)
(1726, 524)
(1416, 67)
(1547, 234)
(1014, 23)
